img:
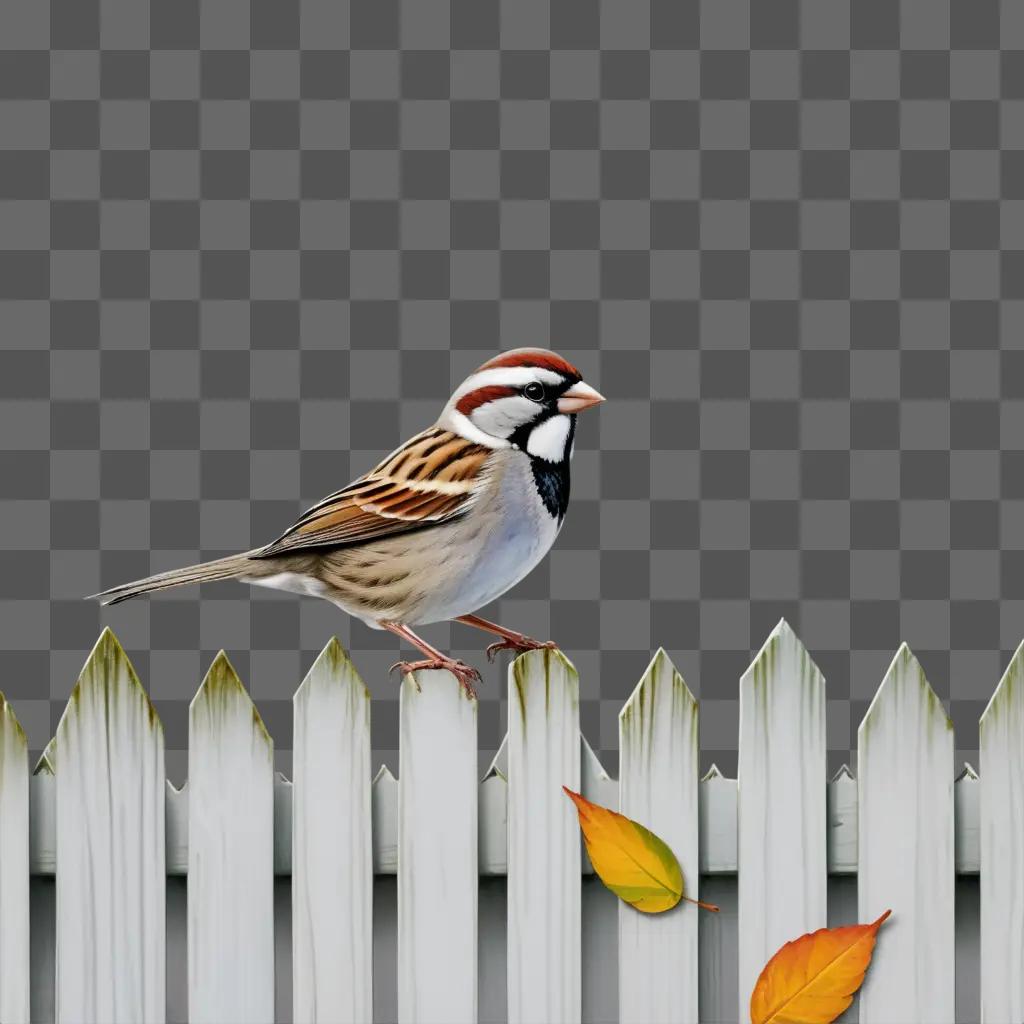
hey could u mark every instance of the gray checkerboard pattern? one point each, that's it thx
(247, 246)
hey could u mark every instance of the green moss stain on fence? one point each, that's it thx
(1007, 694)
(47, 763)
(221, 688)
(637, 717)
(107, 679)
(13, 742)
(333, 657)
(519, 682)
(525, 667)
(333, 668)
(11, 726)
(763, 672)
(904, 686)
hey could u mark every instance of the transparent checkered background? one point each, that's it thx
(247, 246)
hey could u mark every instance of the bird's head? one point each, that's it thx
(527, 398)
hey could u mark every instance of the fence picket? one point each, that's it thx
(842, 822)
(110, 850)
(905, 846)
(716, 836)
(544, 930)
(332, 857)
(176, 828)
(905, 827)
(967, 819)
(384, 807)
(230, 855)
(1001, 740)
(437, 852)
(14, 904)
(494, 815)
(658, 778)
(782, 841)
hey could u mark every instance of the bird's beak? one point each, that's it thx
(580, 396)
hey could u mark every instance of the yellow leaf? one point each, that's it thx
(811, 980)
(631, 860)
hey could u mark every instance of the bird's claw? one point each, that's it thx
(465, 674)
(519, 644)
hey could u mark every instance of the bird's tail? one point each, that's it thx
(219, 569)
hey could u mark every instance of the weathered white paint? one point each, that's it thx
(14, 903)
(109, 750)
(719, 820)
(282, 824)
(1001, 741)
(905, 834)
(332, 858)
(598, 787)
(384, 807)
(437, 852)
(782, 815)
(717, 839)
(967, 811)
(595, 784)
(42, 822)
(842, 823)
(658, 782)
(544, 841)
(717, 855)
(842, 910)
(230, 855)
(493, 815)
(176, 828)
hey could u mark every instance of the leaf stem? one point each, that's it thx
(702, 904)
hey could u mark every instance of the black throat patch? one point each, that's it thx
(551, 478)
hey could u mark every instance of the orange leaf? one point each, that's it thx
(811, 980)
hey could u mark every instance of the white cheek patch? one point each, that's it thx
(547, 441)
(501, 417)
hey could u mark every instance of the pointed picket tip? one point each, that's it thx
(712, 773)
(220, 677)
(645, 691)
(782, 638)
(499, 763)
(383, 776)
(102, 673)
(904, 670)
(1009, 689)
(47, 763)
(967, 772)
(12, 725)
(593, 770)
(332, 667)
(222, 683)
(843, 773)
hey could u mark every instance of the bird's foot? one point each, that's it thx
(519, 643)
(465, 674)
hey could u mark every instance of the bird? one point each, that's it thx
(445, 524)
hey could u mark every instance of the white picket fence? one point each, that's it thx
(495, 914)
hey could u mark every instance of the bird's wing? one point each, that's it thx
(434, 477)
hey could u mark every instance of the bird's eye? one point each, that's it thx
(534, 391)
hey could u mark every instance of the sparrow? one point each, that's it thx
(448, 522)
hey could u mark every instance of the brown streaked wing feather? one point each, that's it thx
(432, 478)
